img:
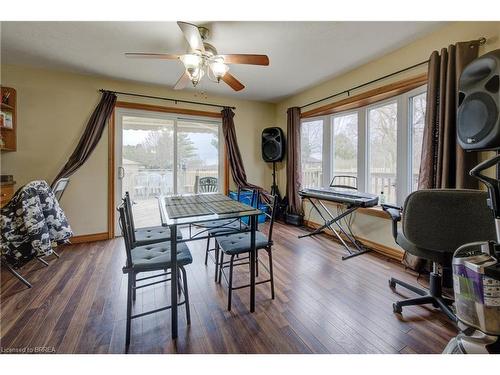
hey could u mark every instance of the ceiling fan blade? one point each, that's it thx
(146, 55)
(192, 35)
(246, 59)
(182, 82)
(232, 82)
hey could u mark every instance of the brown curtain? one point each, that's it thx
(91, 135)
(235, 161)
(444, 164)
(293, 177)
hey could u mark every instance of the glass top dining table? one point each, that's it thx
(195, 209)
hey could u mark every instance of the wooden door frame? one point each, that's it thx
(112, 146)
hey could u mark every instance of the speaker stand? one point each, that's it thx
(274, 188)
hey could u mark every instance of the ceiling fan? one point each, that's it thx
(202, 58)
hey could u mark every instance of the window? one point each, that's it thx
(345, 145)
(159, 153)
(311, 153)
(380, 144)
(417, 121)
(198, 153)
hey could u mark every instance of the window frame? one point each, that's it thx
(404, 142)
(175, 118)
(331, 153)
(326, 146)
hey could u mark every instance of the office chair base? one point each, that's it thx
(432, 296)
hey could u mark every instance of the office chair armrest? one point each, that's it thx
(393, 211)
(395, 214)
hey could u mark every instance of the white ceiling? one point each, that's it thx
(301, 54)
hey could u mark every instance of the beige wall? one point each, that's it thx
(369, 227)
(53, 108)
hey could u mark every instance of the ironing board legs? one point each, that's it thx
(16, 274)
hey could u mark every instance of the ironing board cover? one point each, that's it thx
(31, 223)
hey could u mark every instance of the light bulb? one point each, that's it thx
(218, 68)
(196, 75)
(191, 61)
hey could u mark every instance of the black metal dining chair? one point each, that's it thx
(146, 235)
(237, 244)
(220, 227)
(150, 258)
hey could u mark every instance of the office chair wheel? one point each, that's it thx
(392, 284)
(396, 308)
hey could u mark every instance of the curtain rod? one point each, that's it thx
(169, 99)
(481, 41)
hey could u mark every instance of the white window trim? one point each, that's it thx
(366, 167)
(404, 165)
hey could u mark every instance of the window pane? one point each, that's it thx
(417, 121)
(311, 138)
(345, 147)
(382, 129)
(147, 161)
(197, 153)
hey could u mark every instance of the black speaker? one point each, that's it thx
(478, 122)
(273, 144)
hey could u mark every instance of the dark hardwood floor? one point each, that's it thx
(322, 305)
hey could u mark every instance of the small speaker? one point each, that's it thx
(478, 122)
(273, 144)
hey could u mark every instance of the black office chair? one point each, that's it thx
(434, 224)
(237, 244)
(150, 258)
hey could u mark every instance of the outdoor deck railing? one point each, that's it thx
(147, 183)
(379, 181)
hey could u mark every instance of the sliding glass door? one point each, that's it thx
(198, 153)
(159, 153)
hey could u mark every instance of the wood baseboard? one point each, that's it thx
(90, 238)
(382, 249)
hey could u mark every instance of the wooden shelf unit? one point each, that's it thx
(8, 135)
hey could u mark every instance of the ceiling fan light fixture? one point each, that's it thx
(203, 59)
(219, 69)
(191, 61)
(196, 75)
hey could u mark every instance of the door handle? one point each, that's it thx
(121, 173)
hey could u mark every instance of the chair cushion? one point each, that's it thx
(148, 235)
(219, 223)
(240, 242)
(442, 257)
(157, 256)
(227, 227)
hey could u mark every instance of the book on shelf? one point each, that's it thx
(6, 120)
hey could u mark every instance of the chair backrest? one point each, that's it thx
(127, 202)
(444, 219)
(271, 202)
(345, 182)
(254, 197)
(207, 185)
(126, 232)
(59, 187)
